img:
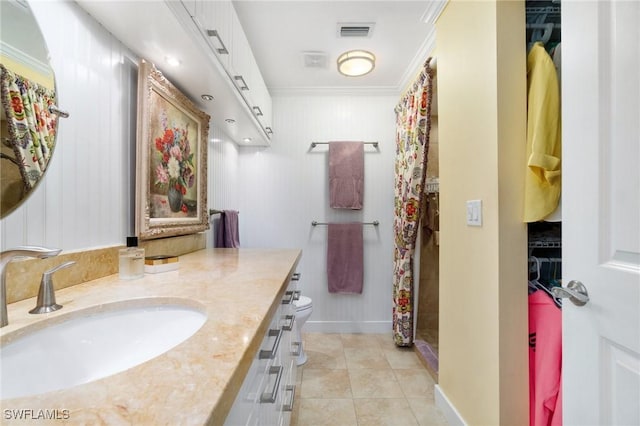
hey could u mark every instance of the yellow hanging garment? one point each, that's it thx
(544, 147)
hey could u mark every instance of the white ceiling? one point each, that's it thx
(279, 31)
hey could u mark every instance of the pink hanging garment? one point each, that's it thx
(545, 360)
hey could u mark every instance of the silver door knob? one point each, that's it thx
(575, 291)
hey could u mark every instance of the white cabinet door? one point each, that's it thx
(222, 11)
(213, 21)
(261, 100)
(245, 71)
(240, 61)
(601, 211)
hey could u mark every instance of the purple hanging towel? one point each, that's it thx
(227, 235)
(345, 259)
(346, 175)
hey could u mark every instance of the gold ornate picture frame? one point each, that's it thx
(171, 160)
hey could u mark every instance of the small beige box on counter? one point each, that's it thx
(161, 263)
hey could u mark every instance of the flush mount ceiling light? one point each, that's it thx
(206, 97)
(355, 63)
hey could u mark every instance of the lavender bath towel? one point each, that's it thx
(346, 175)
(227, 235)
(345, 260)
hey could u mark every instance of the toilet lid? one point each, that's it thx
(302, 303)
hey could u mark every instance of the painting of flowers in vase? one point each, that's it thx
(172, 159)
(173, 163)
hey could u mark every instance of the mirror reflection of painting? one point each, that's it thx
(173, 161)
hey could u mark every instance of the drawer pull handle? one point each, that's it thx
(270, 354)
(221, 50)
(292, 389)
(291, 319)
(271, 397)
(290, 295)
(257, 111)
(296, 295)
(296, 276)
(298, 349)
(241, 79)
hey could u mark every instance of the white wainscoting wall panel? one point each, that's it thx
(285, 187)
(223, 178)
(86, 199)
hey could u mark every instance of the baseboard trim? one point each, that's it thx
(365, 327)
(447, 408)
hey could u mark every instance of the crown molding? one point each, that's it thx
(433, 11)
(418, 60)
(22, 58)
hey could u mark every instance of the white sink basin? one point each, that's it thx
(92, 344)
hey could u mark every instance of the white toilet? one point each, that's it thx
(304, 308)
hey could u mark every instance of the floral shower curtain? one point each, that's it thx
(31, 126)
(413, 122)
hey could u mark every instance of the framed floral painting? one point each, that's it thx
(171, 163)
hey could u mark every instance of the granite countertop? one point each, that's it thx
(194, 383)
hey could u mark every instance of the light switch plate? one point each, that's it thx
(474, 212)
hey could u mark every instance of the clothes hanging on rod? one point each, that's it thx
(545, 361)
(543, 23)
(544, 147)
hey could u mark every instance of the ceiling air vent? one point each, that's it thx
(355, 29)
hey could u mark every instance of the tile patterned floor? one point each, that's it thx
(362, 380)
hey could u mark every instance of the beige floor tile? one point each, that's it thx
(326, 360)
(327, 412)
(426, 412)
(415, 383)
(365, 358)
(322, 383)
(386, 341)
(362, 379)
(321, 341)
(384, 412)
(324, 351)
(370, 383)
(360, 341)
(402, 358)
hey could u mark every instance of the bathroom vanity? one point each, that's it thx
(242, 354)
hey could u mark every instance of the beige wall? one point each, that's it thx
(483, 296)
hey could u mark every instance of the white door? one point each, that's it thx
(601, 210)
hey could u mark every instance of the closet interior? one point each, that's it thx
(545, 227)
(544, 237)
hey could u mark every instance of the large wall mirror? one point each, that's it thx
(29, 112)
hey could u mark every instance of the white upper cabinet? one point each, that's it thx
(214, 20)
(218, 22)
(207, 39)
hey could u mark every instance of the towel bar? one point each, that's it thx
(215, 211)
(374, 223)
(314, 144)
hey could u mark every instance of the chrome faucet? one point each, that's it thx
(8, 256)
